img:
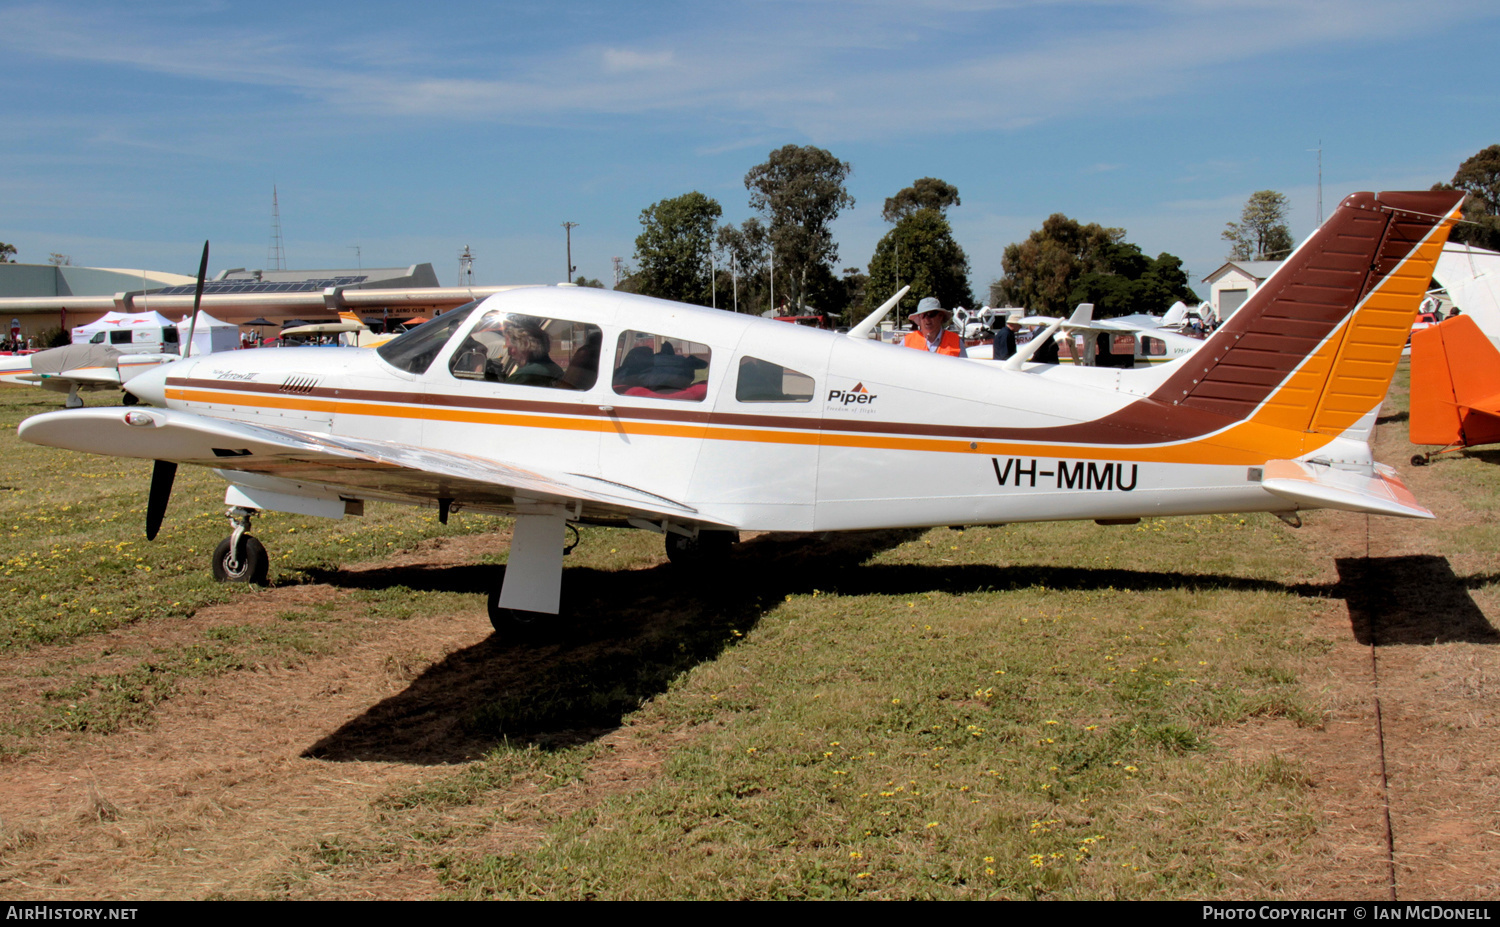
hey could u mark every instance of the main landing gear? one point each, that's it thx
(240, 558)
(530, 594)
(708, 548)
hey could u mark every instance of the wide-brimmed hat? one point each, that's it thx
(930, 304)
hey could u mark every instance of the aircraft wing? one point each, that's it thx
(100, 378)
(378, 468)
(1319, 486)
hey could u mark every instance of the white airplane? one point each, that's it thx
(565, 405)
(1146, 339)
(79, 368)
(122, 348)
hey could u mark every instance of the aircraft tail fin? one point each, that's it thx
(1455, 385)
(1083, 315)
(348, 316)
(1314, 348)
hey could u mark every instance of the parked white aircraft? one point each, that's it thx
(563, 405)
(79, 368)
(1146, 339)
(108, 353)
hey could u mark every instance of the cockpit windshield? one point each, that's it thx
(415, 350)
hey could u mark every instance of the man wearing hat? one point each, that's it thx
(932, 334)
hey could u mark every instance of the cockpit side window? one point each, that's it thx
(415, 350)
(528, 350)
(661, 367)
(765, 381)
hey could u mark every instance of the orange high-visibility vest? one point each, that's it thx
(950, 344)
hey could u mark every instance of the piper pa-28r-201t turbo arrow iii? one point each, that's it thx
(562, 405)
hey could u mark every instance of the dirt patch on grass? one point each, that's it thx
(222, 795)
(1406, 766)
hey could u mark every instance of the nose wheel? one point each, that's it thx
(241, 558)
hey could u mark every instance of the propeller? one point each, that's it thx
(197, 299)
(162, 475)
(164, 472)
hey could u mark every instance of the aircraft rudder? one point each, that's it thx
(1434, 416)
(1314, 348)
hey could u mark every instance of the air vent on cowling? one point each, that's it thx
(299, 383)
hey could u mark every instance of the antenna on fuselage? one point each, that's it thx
(867, 325)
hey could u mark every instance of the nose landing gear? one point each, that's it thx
(240, 558)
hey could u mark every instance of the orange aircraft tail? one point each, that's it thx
(1455, 386)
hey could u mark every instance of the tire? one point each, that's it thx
(255, 566)
(709, 547)
(515, 623)
(1419, 460)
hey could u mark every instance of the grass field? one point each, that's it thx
(1031, 711)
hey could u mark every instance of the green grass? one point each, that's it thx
(1034, 711)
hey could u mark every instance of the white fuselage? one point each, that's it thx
(887, 437)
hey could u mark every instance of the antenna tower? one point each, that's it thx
(276, 258)
(466, 267)
(619, 263)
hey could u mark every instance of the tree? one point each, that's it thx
(927, 193)
(59, 260)
(1066, 263)
(800, 190)
(673, 248)
(7, 253)
(585, 281)
(1040, 272)
(920, 251)
(1261, 234)
(1479, 177)
(744, 256)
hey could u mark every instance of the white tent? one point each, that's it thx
(1472, 278)
(209, 335)
(117, 321)
(130, 332)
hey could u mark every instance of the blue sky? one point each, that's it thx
(133, 132)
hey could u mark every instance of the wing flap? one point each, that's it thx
(1378, 493)
(396, 471)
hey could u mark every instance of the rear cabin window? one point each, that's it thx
(661, 367)
(528, 350)
(765, 381)
(124, 337)
(1153, 347)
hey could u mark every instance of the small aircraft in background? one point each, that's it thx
(563, 405)
(1455, 388)
(120, 347)
(77, 368)
(1127, 341)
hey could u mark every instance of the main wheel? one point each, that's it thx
(254, 566)
(708, 547)
(1419, 460)
(515, 623)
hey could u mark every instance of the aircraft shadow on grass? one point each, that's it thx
(1413, 600)
(626, 634)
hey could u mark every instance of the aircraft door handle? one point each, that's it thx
(606, 408)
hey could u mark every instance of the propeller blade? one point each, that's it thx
(162, 475)
(197, 298)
